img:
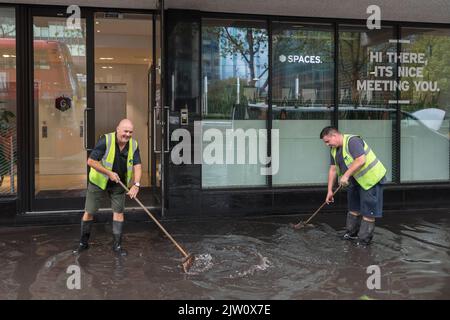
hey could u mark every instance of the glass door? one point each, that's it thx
(86, 79)
(59, 105)
(123, 54)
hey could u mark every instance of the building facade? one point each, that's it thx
(228, 100)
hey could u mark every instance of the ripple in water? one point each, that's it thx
(202, 263)
(264, 264)
(226, 258)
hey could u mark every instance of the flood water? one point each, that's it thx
(239, 258)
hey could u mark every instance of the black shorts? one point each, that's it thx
(369, 203)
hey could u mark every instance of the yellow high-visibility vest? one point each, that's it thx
(370, 173)
(100, 179)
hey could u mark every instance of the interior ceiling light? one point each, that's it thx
(106, 58)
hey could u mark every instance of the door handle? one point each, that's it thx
(155, 122)
(85, 129)
(167, 122)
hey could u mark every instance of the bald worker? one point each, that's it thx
(115, 157)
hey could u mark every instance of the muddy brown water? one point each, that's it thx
(240, 258)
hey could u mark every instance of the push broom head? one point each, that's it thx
(187, 263)
(301, 225)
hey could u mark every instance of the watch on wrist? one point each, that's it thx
(137, 184)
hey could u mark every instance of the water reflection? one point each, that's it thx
(261, 258)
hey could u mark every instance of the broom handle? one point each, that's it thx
(324, 203)
(157, 222)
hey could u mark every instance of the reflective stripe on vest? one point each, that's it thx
(100, 179)
(372, 170)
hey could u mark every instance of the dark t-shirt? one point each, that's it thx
(355, 148)
(120, 158)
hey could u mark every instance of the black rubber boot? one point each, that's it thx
(352, 227)
(117, 235)
(84, 238)
(365, 233)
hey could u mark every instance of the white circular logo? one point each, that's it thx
(282, 58)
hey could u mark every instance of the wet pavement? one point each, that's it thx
(236, 258)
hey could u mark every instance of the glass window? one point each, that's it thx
(183, 67)
(425, 66)
(302, 99)
(8, 109)
(367, 91)
(234, 100)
